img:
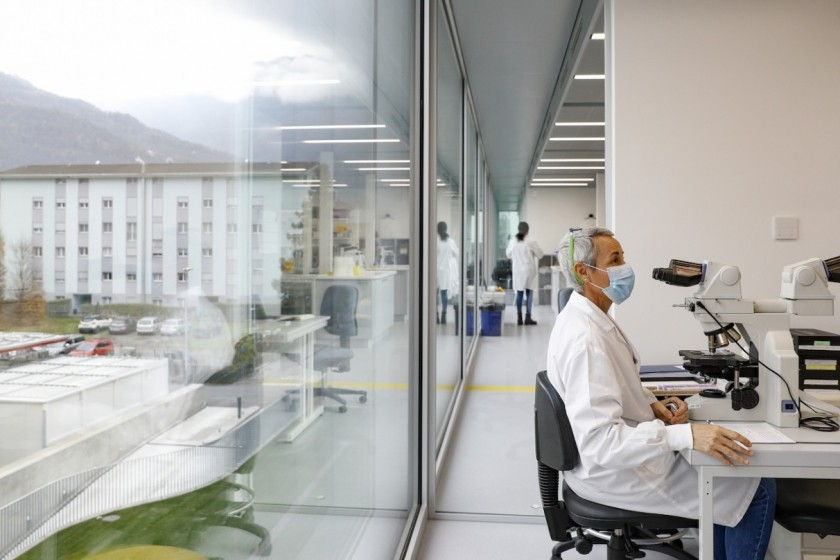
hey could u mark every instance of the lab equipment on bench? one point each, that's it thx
(764, 375)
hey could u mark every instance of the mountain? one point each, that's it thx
(41, 128)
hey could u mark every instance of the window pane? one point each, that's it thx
(222, 164)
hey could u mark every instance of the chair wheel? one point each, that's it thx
(342, 408)
(363, 399)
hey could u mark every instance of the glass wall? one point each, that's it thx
(450, 223)
(216, 195)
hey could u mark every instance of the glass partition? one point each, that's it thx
(472, 286)
(448, 205)
(216, 195)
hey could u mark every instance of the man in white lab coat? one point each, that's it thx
(628, 441)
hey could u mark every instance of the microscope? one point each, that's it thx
(764, 375)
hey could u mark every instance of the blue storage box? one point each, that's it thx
(491, 320)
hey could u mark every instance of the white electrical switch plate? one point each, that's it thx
(785, 227)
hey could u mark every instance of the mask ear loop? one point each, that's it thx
(572, 252)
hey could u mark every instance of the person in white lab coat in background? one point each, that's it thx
(447, 269)
(629, 441)
(524, 255)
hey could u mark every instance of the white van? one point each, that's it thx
(148, 325)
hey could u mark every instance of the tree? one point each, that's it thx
(23, 279)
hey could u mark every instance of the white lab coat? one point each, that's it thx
(524, 256)
(447, 266)
(628, 458)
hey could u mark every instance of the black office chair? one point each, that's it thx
(578, 523)
(805, 505)
(339, 303)
(563, 298)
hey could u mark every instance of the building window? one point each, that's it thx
(158, 302)
(207, 203)
(131, 276)
(83, 228)
(256, 228)
(37, 203)
(59, 252)
(106, 300)
(207, 227)
(107, 227)
(157, 277)
(182, 276)
(107, 252)
(183, 252)
(183, 203)
(207, 252)
(183, 227)
(131, 231)
(83, 251)
(38, 251)
(107, 203)
(107, 276)
(37, 228)
(83, 204)
(60, 204)
(231, 228)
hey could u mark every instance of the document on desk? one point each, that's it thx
(757, 432)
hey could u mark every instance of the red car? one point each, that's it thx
(94, 347)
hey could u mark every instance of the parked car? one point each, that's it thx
(148, 325)
(171, 327)
(94, 347)
(94, 323)
(65, 347)
(122, 325)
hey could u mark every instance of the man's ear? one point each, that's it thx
(580, 270)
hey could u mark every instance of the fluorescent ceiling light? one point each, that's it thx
(544, 167)
(353, 141)
(377, 161)
(383, 168)
(578, 124)
(294, 169)
(560, 179)
(598, 36)
(328, 126)
(571, 160)
(321, 82)
(315, 185)
(577, 139)
(559, 184)
(392, 180)
(589, 76)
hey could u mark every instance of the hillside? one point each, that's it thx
(39, 128)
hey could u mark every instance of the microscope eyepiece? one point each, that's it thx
(680, 273)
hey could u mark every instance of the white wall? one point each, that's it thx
(551, 211)
(725, 114)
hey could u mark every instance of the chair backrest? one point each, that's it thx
(563, 298)
(555, 441)
(339, 304)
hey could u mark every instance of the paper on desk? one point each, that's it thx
(757, 432)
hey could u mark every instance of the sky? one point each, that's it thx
(113, 53)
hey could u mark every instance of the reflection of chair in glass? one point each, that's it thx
(578, 523)
(339, 304)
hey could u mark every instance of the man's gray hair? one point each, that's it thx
(584, 252)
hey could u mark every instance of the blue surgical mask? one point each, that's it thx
(622, 280)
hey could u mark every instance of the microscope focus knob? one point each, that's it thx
(729, 275)
(805, 276)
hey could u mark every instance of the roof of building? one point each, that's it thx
(159, 169)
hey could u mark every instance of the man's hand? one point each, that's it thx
(725, 445)
(671, 410)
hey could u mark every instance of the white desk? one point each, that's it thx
(303, 334)
(805, 459)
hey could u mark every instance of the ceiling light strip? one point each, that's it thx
(353, 141)
(577, 138)
(329, 126)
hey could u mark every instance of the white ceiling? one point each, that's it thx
(521, 59)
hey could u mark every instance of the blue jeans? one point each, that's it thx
(748, 539)
(528, 298)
